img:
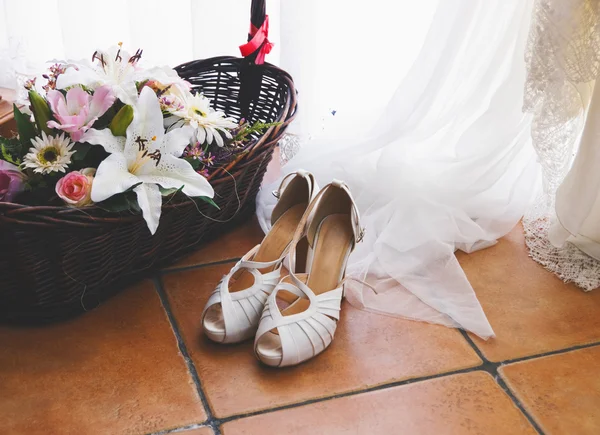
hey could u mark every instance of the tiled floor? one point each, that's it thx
(138, 364)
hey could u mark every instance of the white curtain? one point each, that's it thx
(346, 57)
(448, 165)
(170, 32)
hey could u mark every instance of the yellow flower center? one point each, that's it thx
(48, 155)
(198, 112)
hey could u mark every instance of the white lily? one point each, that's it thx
(113, 67)
(148, 156)
(118, 69)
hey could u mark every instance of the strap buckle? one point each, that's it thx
(276, 194)
(361, 235)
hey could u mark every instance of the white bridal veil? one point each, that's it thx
(448, 166)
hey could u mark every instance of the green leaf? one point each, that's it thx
(133, 204)
(25, 127)
(140, 85)
(12, 145)
(115, 203)
(133, 187)
(104, 121)
(206, 199)
(125, 201)
(36, 182)
(170, 191)
(11, 150)
(90, 158)
(8, 157)
(256, 128)
(81, 150)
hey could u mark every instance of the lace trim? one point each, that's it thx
(289, 145)
(569, 263)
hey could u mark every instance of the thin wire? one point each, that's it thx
(85, 286)
(236, 195)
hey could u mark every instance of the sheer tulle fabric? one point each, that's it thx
(448, 166)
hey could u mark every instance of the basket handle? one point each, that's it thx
(258, 44)
(250, 75)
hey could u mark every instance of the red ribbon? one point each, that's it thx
(259, 40)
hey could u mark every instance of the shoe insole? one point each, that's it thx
(333, 242)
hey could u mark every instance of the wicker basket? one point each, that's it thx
(56, 262)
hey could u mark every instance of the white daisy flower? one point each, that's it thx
(195, 110)
(49, 154)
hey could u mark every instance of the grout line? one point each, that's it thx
(527, 357)
(347, 394)
(198, 266)
(500, 381)
(550, 353)
(215, 423)
(492, 368)
(487, 366)
(184, 352)
(473, 345)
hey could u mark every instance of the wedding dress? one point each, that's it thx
(578, 197)
(563, 59)
(448, 166)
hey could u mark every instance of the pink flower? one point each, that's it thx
(75, 188)
(11, 181)
(78, 112)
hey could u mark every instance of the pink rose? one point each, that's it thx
(11, 181)
(79, 110)
(75, 188)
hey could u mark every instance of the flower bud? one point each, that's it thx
(118, 126)
(41, 111)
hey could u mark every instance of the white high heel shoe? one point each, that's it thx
(233, 310)
(307, 326)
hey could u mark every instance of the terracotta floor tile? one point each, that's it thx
(233, 244)
(461, 404)
(369, 349)
(561, 392)
(114, 370)
(530, 309)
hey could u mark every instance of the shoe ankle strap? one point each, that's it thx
(247, 261)
(310, 179)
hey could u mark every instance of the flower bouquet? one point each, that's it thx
(116, 169)
(112, 134)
